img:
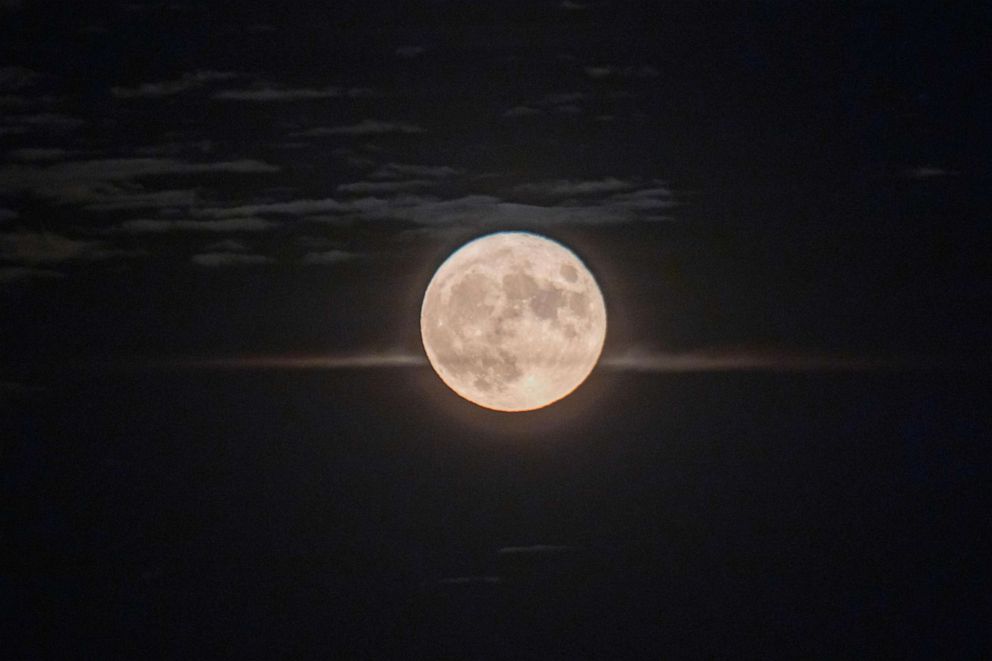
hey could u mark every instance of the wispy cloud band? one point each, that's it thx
(637, 361)
(283, 362)
(744, 360)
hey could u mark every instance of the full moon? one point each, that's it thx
(513, 321)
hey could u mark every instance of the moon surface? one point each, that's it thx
(513, 321)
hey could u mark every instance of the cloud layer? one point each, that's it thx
(149, 225)
(221, 259)
(185, 83)
(31, 248)
(364, 127)
(269, 94)
(289, 362)
(634, 361)
(750, 360)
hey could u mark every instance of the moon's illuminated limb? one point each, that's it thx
(513, 321)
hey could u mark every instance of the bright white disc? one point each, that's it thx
(513, 321)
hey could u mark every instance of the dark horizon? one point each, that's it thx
(220, 437)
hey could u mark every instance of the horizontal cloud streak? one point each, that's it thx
(404, 170)
(410, 51)
(285, 362)
(276, 94)
(929, 172)
(113, 198)
(14, 78)
(469, 580)
(187, 82)
(522, 111)
(40, 122)
(87, 181)
(291, 208)
(566, 188)
(151, 225)
(636, 361)
(606, 71)
(468, 210)
(22, 273)
(228, 245)
(37, 154)
(535, 549)
(383, 186)
(220, 259)
(28, 247)
(328, 257)
(744, 360)
(365, 127)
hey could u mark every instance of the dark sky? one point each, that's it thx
(752, 181)
(250, 177)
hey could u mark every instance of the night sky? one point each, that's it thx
(219, 435)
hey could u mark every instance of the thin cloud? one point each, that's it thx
(38, 154)
(129, 168)
(654, 198)
(228, 245)
(23, 273)
(364, 127)
(15, 78)
(567, 188)
(158, 226)
(314, 242)
(522, 111)
(350, 156)
(14, 102)
(487, 210)
(410, 51)
(176, 148)
(646, 361)
(113, 198)
(373, 187)
(328, 257)
(468, 210)
(599, 72)
(606, 71)
(104, 182)
(221, 259)
(47, 121)
(402, 170)
(535, 549)
(560, 102)
(267, 94)
(291, 208)
(469, 580)
(560, 98)
(29, 247)
(929, 172)
(746, 360)
(185, 83)
(372, 360)
(12, 390)
(481, 210)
